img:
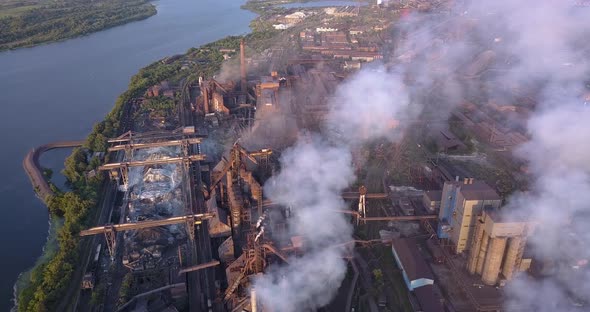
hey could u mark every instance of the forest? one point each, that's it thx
(27, 24)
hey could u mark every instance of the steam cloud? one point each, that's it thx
(537, 46)
(544, 41)
(314, 173)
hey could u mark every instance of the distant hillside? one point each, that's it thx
(31, 22)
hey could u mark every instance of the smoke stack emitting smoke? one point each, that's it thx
(539, 42)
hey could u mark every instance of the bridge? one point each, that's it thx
(110, 230)
(144, 224)
(132, 146)
(33, 167)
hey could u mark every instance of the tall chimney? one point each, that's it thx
(206, 100)
(243, 66)
(253, 300)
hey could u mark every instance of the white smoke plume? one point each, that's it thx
(312, 177)
(314, 173)
(230, 69)
(559, 202)
(543, 42)
(536, 45)
(370, 106)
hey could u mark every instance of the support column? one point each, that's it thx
(253, 300)
(125, 175)
(110, 238)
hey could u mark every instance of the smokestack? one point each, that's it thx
(253, 302)
(206, 100)
(242, 66)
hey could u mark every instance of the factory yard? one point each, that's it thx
(321, 154)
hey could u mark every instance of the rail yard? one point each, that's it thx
(229, 191)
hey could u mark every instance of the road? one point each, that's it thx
(34, 170)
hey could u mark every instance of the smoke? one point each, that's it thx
(370, 106)
(230, 69)
(537, 47)
(558, 203)
(543, 43)
(313, 174)
(274, 130)
(540, 45)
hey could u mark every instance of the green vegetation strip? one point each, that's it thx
(24, 26)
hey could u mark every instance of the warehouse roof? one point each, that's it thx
(427, 299)
(434, 195)
(411, 260)
(478, 190)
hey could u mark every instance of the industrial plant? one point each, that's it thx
(355, 162)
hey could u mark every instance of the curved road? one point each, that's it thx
(34, 170)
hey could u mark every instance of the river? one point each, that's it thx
(58, 91)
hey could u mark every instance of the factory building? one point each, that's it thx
(414, 269)
(497, 248)
(417, 275)
(461, 203)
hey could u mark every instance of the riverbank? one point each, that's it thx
(49, 250)
(38, 24)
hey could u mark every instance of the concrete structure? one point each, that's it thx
(431, 200)
(34, 169)
(414, 269)
(497, 247)
(243, 82)
(461, 202)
